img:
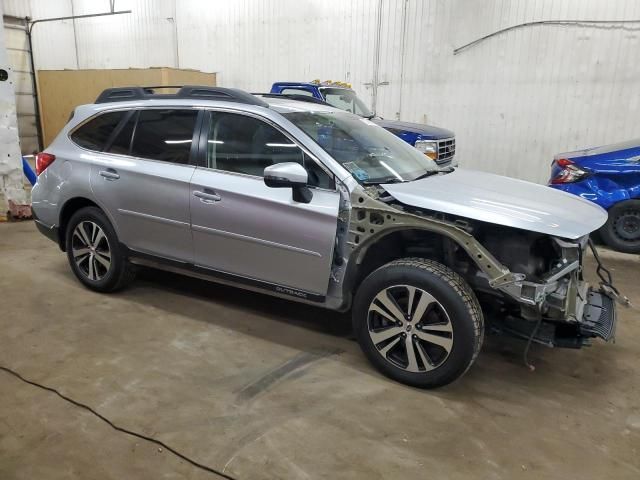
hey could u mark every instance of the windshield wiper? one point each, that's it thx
(433, 172)
(389, 179)
(426, 174)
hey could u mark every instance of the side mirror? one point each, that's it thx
(289, 175)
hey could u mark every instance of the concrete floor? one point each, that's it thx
(263, 388)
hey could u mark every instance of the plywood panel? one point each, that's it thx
(63, 90)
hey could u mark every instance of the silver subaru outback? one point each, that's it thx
(303, 201)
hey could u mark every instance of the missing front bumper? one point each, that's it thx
(597, 320)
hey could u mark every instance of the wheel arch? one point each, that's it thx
(399, 242)
(70, 207)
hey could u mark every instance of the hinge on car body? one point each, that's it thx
(463, 224)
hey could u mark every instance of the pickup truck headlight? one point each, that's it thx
(428, 147)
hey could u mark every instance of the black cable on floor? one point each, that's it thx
(525, 354)
(116, 427)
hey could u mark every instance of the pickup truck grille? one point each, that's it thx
(446, 150)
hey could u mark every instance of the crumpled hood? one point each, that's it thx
(427, 132)
(502, 201)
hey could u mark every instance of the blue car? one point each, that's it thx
(610, 177)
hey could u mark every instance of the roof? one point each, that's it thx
(269, 108)
(196, 95)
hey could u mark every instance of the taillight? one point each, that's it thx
(570, 172)
(43, 160)
(564, 162)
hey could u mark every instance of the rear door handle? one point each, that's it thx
(109, 174)
(207, 197)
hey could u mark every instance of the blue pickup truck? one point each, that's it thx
(437, 143)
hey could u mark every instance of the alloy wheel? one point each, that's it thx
(91, 250)
(410, 328)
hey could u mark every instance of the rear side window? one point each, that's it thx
(95, 133)
(164, 135)
(122, 143)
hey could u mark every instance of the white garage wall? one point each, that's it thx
(513, 100)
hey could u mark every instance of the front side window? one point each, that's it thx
(369, 152)
(347, 100)
(164, 134)
(94, 134)
(242, 144)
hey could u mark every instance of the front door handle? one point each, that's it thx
(109, 174)
(207, 197)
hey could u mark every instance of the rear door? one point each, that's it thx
(142, 178)
(242, 227)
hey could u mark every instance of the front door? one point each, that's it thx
(244, 228)
(144, 182)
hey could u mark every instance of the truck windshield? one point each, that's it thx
(368, 151)
(346, 100)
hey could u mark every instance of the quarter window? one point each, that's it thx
(242, 144)
(164, 135)
(95, 133)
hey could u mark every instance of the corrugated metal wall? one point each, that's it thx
(17, 49)
(513, 100)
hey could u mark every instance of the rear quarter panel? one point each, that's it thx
(68, 177)
(615, 176)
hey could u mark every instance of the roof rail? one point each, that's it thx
(294, 96)
(123, 94)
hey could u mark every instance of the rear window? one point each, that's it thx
(94, 134)
(164, 135)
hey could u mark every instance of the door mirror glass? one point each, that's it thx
(289, 175)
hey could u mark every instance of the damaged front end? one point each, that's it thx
(560, 308)
(530, 284)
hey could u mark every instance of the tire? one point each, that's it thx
(444, 310)
(622, 230)
(95, 257)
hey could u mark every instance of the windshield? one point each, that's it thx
(368, 151)
(346, 100)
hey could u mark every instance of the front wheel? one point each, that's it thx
(418, 322)
(622, 230)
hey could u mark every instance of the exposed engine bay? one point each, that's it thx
(529, 284)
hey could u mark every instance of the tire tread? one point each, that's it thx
(459, 285)
(453, 287)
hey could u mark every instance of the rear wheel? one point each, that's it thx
(622, 230)
(94, 252)
(418, 322)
